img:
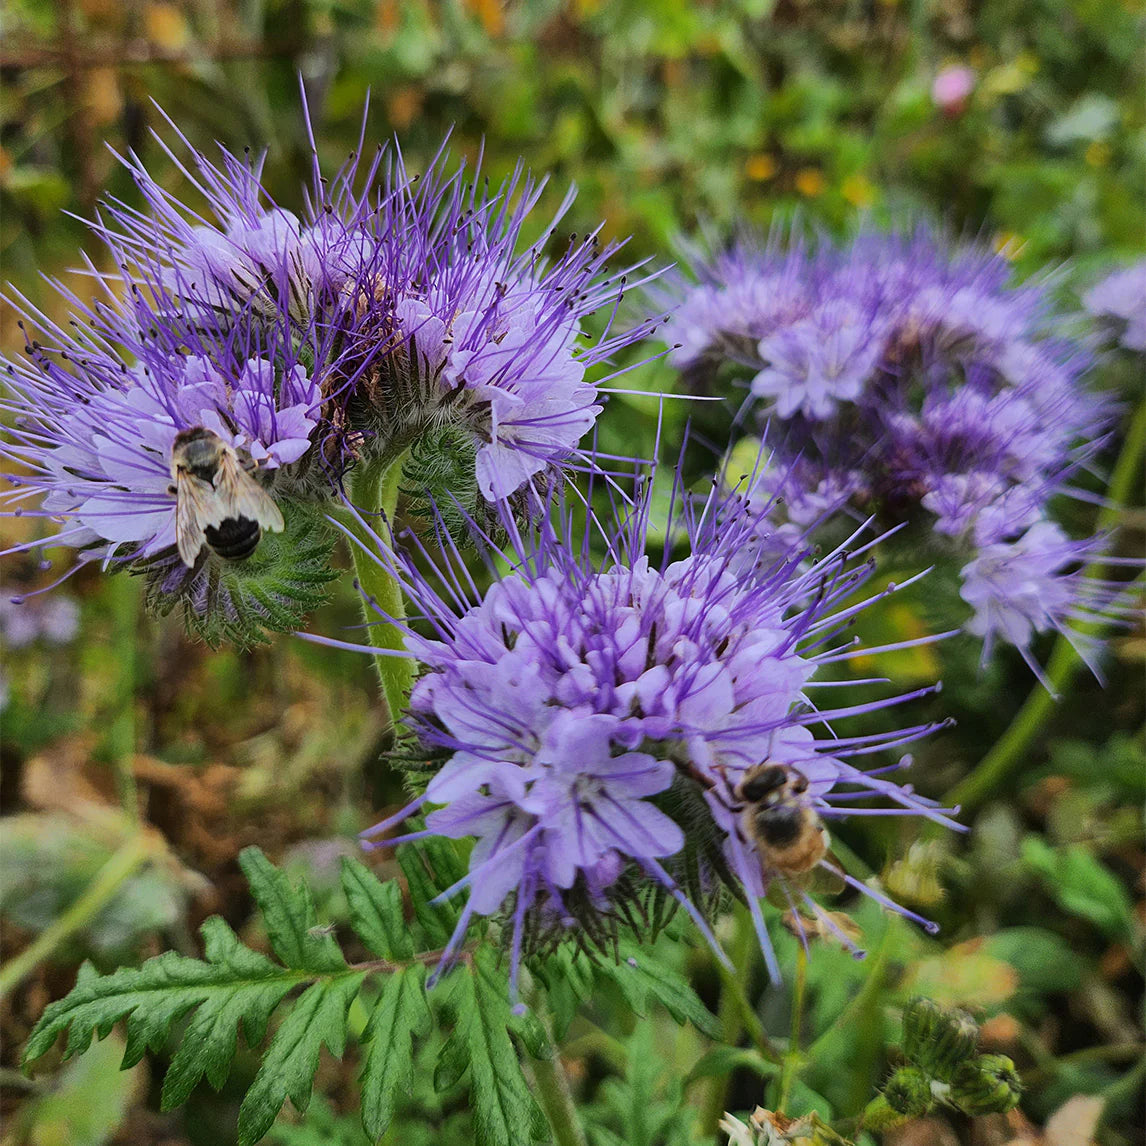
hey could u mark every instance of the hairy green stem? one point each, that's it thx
(96, 896)
(1010, 750)
(552, 1091)
(374, 492)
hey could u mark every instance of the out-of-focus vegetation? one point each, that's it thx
(666, 114)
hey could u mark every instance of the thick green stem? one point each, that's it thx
(95, 897)
(1011, 748)
(552, 1091)
(374, 492)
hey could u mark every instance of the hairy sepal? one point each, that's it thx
(242, 602)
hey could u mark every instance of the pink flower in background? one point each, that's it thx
(951, 87)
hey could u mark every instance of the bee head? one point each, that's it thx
(760, 782)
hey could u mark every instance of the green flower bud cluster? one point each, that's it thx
(938, 1039)
(943, 1065)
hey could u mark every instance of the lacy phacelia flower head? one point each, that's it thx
(246, 358)
(906, 377)
(111, 473)
(419, 303)
(1120, 298)
(597, 724)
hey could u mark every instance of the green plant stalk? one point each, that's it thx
(872, 985)
(793, 1059)
(120, 866)
(552, 1091)
(374, 491)
(731, 1015)
(1009, 751)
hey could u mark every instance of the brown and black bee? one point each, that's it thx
(217, 500)
(779, 820)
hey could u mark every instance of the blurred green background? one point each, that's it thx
(666, 115)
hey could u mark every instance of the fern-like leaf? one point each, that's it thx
(505, 1113)
(232, 987)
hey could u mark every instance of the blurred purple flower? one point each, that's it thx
(1121, 297)
(1033, 583)
(952, 87)
(578, 706)
(911, 380)
(23, 620)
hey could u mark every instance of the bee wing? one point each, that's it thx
(826, 878)
(244, 497)
(194, 509)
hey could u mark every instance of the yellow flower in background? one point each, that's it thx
(760, 167)
(1008, 244)
(810, 182)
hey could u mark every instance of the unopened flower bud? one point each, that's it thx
(938, 1039)
(908, 1091)
(987, 1084)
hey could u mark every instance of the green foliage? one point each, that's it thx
(237, 987)
(400, 1014)
(233, 985)
(504, 1110)
(48, 864)
(269, 592)
(642, 979)
(644, 1106)
(1081, 885)
(88, 1102)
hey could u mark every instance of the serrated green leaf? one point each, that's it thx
(504, 1111)
(162, 990)
(376, 911)
(233, 985)
(451, 1063)
(399, 1014)
(1081, 885)
(430, 867)
(289, 916)
(641, 978)
(568, 980)
(290, 1064)
(208, 1043)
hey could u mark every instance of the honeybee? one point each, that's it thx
(217, 500)
(779, 820)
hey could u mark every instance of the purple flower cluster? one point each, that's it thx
(905, 376)
(54, 620)
(579, 708)
(1120, 299)
(394, 308)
